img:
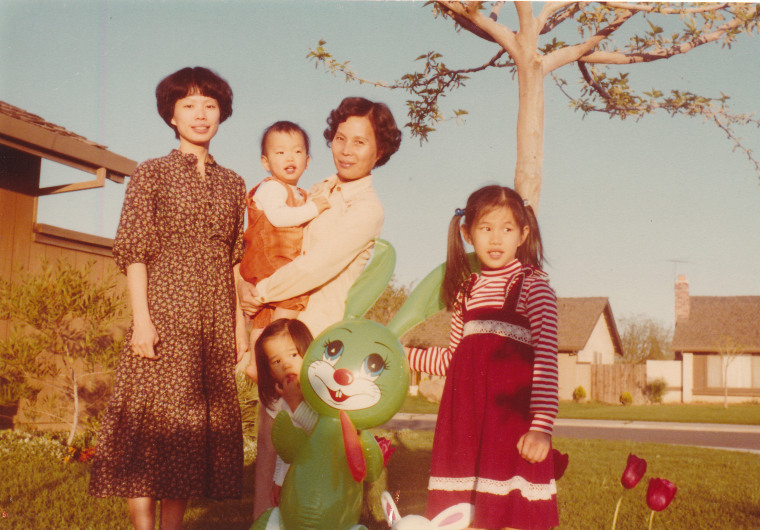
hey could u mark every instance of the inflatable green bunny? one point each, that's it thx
(354, 376)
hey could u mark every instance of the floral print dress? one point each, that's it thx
(172, 427)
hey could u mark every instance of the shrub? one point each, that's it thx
(248, 398)
(655, 390)
(579, 394)
(626, 398)
(63, 337)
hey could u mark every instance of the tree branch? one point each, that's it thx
(686, 104)
(550, 11)
(592, 82)
(92, 374)
(649, 8)
(605, 57)
(571, 54)
(481, 25)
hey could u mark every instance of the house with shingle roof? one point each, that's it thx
(25, 141)
(713, 333)
(587, 336)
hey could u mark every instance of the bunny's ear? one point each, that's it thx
(390, 511)
(425, 300)
(372, 281)
(454, 518)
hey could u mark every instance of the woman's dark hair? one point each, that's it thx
(387, 134)
(283, 326)
(188, 81)
(479, 203)
(283, 127)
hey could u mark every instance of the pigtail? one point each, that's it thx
(531, 252)
(457, 265)
(458, 269)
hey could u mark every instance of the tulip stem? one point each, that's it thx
(617, 507)
(651, 518)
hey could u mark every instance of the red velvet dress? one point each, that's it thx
(484, 411)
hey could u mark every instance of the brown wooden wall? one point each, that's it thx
(24, 245)
(608, 381)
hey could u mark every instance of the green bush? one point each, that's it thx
(63, 338)
(248, 398)
(626, 398)
(655, 390)
(579, 394)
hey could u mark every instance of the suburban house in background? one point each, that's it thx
(713, 333)
(25, 141)
(588, 339)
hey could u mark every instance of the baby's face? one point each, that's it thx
(283, 356)
(286, 157)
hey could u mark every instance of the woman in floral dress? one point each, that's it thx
(172, 428)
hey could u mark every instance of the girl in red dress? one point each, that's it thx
(492, 445)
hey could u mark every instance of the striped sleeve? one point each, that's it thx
(435, 360)
(541, 306)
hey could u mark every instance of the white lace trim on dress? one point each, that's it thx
(531, 492)
(497, 327)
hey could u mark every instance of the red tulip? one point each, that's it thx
(660, 493)
(386, 448)
(634, 471)
(560, 463)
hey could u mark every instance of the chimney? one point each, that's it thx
(682, 298)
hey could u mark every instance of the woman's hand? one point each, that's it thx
(144, 338)
(534, 446)
(248, 298)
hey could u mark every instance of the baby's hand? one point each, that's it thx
(534, 446)
(321, 202)
(291, 391)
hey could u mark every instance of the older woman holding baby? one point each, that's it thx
(337, 244)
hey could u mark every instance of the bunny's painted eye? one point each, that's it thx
(374, 364)
(333, 350)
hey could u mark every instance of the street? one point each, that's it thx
(719, 436)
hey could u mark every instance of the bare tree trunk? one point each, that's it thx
(75, 419)
(530, 133)
(530, 114)
(724, 362)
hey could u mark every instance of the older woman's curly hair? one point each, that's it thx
(387, 134)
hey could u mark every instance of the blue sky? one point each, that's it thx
(621, 200)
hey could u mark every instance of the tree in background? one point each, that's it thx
(62, 333)
(392, 298)
(585, 35)
(728, 350)
(644, 338)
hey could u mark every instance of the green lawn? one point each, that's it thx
(745, 413)
(717, 489)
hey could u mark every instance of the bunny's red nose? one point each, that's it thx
(343, 376)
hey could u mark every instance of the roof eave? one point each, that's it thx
(74, 152)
